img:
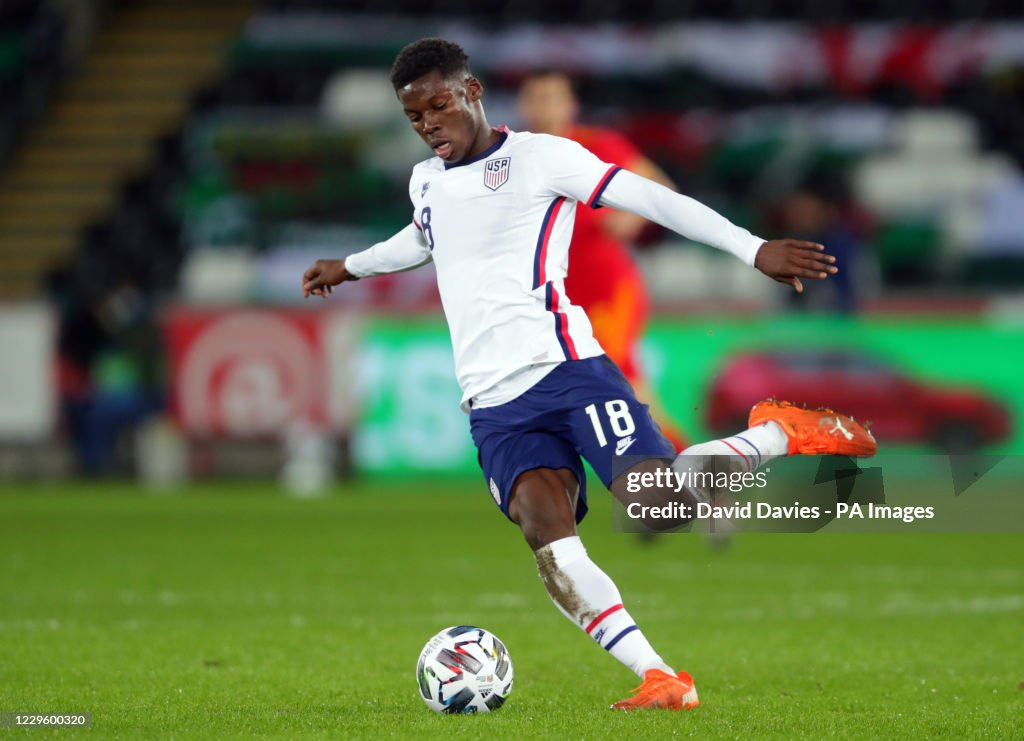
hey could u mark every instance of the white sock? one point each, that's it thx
(588, 597)
(754, 446)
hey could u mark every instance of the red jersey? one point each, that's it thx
(597, 262)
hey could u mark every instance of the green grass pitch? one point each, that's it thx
(234, 611)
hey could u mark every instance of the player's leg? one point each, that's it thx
(614, 431)
(779, 428)
(776, 429)
(596, 409)
(543, 502)
(537, 480)
(607, 421)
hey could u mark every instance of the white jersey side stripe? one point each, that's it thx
(540, 257)
(561, 323)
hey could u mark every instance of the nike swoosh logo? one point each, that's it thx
(623, 445)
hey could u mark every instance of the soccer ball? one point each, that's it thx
(464, 670)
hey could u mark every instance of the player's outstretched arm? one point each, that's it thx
(784, 260)
(404, 251)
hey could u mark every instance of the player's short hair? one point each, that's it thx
(426, 55)
(541, 73)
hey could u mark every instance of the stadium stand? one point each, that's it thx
(919, 160)
(133, 87)
(269, 151)
(31, 63)
(654, 11)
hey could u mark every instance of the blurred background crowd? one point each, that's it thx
(168, 168)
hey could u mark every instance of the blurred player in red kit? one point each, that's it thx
(603, 277)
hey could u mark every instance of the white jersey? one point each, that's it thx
(498, 228)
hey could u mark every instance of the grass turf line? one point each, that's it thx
(233, 611)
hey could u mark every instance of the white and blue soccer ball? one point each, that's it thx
(464, 669)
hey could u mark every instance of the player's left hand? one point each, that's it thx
(789, 260)
(323, 276)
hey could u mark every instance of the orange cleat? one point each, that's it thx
(660, 690)
(815, 431)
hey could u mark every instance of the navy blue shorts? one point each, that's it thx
(582, 408)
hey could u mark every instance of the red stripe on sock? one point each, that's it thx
(602, 616)
(738, 453)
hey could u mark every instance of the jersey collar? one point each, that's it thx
(484, 154)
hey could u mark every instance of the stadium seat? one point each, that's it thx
(223, 276)
(908, 249)
(1000, 216)
(906, 182)
(943, 132)
(359, 99)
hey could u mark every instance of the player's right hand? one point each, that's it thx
(323, 276)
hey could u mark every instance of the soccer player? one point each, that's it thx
(493, 210)
(603, 278)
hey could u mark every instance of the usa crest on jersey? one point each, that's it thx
(496, 172)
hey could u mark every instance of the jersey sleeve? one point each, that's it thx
(404, 251)
(682, 214)
(569, 169)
